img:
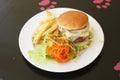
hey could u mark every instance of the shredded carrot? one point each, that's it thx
(60, 52)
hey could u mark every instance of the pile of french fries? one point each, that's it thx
(46, 26)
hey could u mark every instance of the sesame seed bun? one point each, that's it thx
(73, 20)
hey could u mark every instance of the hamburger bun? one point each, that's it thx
(73, 20)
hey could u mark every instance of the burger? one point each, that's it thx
(75, 25)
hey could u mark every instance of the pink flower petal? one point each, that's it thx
(42, 8)
(107, 4)
(52, 6)
(44, 2)
(53, 2)
(117, 67)
(97, 1)
(98, 6)
(104, 6)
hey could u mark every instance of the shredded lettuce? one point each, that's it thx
(62, 33)
(84, 44)
(39, 52)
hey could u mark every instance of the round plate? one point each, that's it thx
(87, 56)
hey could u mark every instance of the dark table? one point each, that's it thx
(14, 14)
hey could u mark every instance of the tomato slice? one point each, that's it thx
(79, 39)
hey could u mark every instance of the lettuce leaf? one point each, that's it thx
(39, 52)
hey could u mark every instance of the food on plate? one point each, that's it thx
(73, 20)
(47, 25)
(61, 50)
(75, 24)
(61, 38)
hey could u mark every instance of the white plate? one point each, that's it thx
(88, 56)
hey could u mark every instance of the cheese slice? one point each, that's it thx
(76, 33)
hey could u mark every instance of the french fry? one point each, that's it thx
(46, 26)
(49, 14)
(46, 20)
(50, 17)
(50, 30)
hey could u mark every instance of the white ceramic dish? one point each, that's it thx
(87, 56)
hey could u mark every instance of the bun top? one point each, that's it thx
(73, 20)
